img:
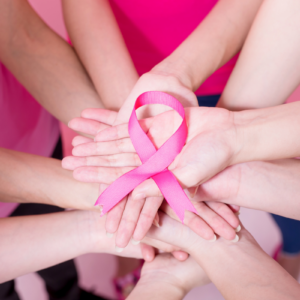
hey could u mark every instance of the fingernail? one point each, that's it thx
(155, 223)
(238, 229)
(213, 239)
(99, 208)
(109, 235)
(156, 220)
(135, 242)
(118, 249)
(195, 192)
(139, 196)
(236, 239)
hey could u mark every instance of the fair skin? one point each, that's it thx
(210, 215)
(218, 38)
(166, 278)
(267, 70)
(27, 178)
(50, 70)
(240, 271)
(37, 242)
(233, 138)
(266, 73)
(43, 62)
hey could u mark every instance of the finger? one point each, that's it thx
(78, 140)
(128, 222)
(146, 189)
(116, 160)
(99, 174)
(120, 131)
(234, 208)
(162, 246)
(214, 221)
(224, 211)
(113, 133)
(193, 221)
(99, 114)
(147, 216)
(114, 216)
(104, 148)
(180, 255)
(86, 126)
(148, 252)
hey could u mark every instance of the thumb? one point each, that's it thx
(146, 189)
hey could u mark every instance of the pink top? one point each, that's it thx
(25, 125)
(154, 29)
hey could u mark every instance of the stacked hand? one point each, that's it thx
(208, 151)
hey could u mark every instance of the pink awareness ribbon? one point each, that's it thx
(155, 162)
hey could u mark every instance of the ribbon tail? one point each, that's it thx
(174, 193)
(120, 189)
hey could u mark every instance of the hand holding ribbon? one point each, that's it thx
(113, 154)
(155, 162)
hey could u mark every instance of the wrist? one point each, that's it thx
(156, 288)
(246, 143)
(91, 231)
(176, 69)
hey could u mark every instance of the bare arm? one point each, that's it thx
(99, 43)
(36, 179)
(33, 243)
(96, 37)
(267, 71)
(271, 186)
(216, 40)
(166, 278)
(43, 62)
(239, 270)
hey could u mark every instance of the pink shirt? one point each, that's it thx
(154, 29)
(25, 125)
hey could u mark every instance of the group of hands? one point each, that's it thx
(104, 152)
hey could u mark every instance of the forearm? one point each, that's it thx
(269, 186)
(44, 64)
(239, 270)
(267, 70)
(31, 178)
(244, 271)
(217, 39)
(267, 134)
(99, 43)
(33, 243)
(156, 290)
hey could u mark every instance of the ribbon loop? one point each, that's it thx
(155, 162)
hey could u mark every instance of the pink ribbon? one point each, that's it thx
(155, 162)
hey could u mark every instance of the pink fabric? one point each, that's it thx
(155, 162)
(25, 125)
(154, 29)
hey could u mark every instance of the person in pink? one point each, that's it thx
(40, 75)
(120, 41)
(152, 31)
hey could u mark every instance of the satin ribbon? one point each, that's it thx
(155, 162)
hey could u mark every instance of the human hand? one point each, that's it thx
(167, 278)
(91, 229)
(155, 81)
(116, 163)
(231, 266)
